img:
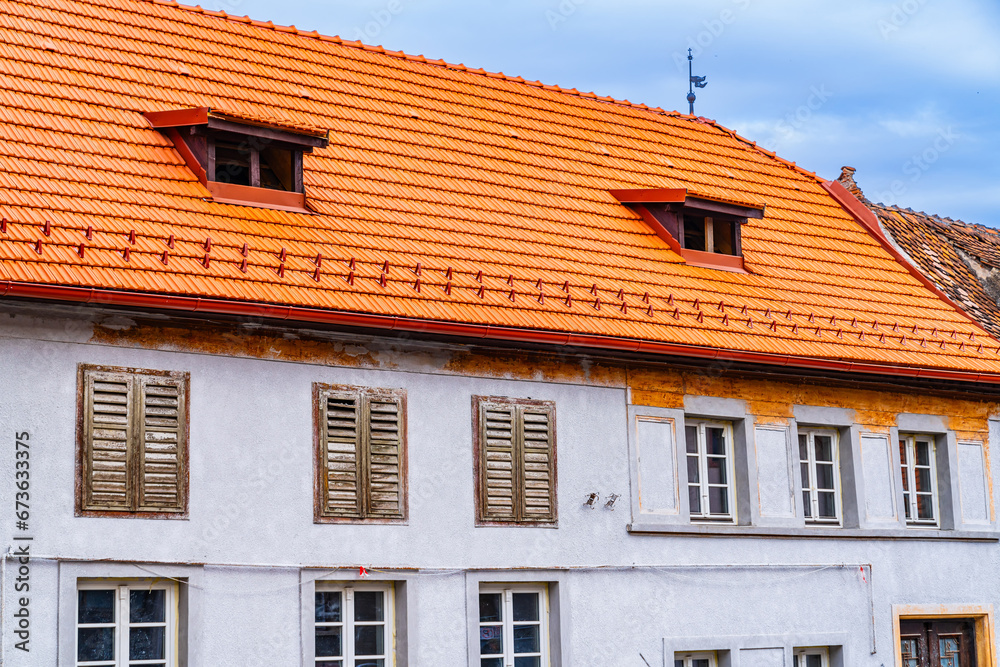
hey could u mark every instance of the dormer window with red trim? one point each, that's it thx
(245, 161)
(704, 232)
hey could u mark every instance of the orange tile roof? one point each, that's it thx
(445, 194)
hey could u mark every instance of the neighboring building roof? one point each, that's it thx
(962, 259)
(485, 196)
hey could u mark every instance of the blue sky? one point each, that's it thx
(908, 92)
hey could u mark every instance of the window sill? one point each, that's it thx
(715, 530)
(244, 195)
(713, 260)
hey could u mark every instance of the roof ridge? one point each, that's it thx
(357, 44)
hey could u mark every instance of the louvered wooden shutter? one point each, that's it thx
(108, 431)
(385, 478)
(159, 459)
(537, 463)
(341, 427)
(497, 470)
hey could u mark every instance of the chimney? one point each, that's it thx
(847, 180)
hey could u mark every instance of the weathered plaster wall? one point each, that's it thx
(251, 492)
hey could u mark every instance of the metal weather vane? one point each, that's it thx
(693, 82)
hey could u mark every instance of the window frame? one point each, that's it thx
(507, 591)
(688, 658)
(347, 603)
(705, 517)
(908, 441)
(171, 620)
(804, 651)
(812, 519)
(518, 483)
(84, 371)
(364, 394)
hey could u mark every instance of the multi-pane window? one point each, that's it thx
(916, 462)
(699, 659)
(711, 234)
(354, 626)
(126, 625)
(513, 627)
(361, 443)
(947, 642)
(814, 656)
(818, 465)
(133, 441)
(709, 447)
(515, 461)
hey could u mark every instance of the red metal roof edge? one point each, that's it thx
(90, 295)
(869, 221)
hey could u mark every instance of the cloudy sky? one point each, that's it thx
(908, 92)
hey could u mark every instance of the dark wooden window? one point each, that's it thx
(712, 233)
(515, 453)
(133, 442)
(937, 643)
(361, 453)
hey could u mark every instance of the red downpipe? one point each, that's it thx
(92, 295)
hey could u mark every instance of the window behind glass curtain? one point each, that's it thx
(917, 465)
(820, 471)
(709, 467)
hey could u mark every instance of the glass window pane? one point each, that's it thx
(526, 639)
(723, 237)
(491, 662)
(908, 649)
(678, 663)
(146, 643)
(490, 608)
(795, 660)
(814, 660)
(276, 168)
(491, 640)
(824, 476)
(95, 644)
(525, 607)
(824, 449)
(803, 447)
(370, 662)
(96, 606)
(827, 507)
(330, 663)
(691, 434)
(925, 507)
(369, 639)
(694, 232)
(700, 662)
(716, 471)
(718, 500)
(807, 504)
(328, 642)
(804, 470)
(922, 479)
(923, 452)
(693, 469)
(328, 606)
(147, 606)
(527, 662)
(232, 163)
(694, 497)
(715, 440)
(906, 503)
(368, 606)
(902, 453)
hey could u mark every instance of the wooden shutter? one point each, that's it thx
(340, 463)
(537, 461)
(107, 433)
(385, 467)
(159, 457)
(497, 470)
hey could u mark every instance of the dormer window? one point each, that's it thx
(704, 232)
(242, 161)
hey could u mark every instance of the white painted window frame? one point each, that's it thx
(121, 623)
(507, 620)
(908, 470)
(799, 654)
(688, 658)
(702, 483)
(809, 485)
(347, 590)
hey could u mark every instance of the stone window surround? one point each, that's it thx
(981, 614)
(854, 525)
(727, 648)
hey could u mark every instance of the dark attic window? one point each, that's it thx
(704, 232)
(241, 161)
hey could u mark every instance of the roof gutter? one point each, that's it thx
(90, 295)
